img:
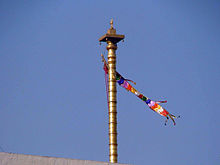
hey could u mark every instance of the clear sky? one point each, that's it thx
(52, 88)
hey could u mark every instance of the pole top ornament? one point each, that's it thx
(111, 30)
(111, 23)
(111, 35)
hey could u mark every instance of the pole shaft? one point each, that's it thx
(113, 153)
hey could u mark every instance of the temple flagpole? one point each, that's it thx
(111, 38)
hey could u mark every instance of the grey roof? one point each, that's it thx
(21, 159)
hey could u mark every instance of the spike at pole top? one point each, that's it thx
(111, 23)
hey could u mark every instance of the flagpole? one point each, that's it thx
(111, 38)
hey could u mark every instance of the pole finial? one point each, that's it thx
(111, 30)
(111, 35)
(111, 23)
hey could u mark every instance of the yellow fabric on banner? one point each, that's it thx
(133, 90)
(157, 108)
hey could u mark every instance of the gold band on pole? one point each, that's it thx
(112, 39)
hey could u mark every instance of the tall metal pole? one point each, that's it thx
(112, 39)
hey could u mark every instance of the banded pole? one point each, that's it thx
(111, 38)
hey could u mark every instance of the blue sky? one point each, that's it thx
(52, 91)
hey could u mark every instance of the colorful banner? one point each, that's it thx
(152, 104)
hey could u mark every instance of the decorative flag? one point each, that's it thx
(152, 104)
